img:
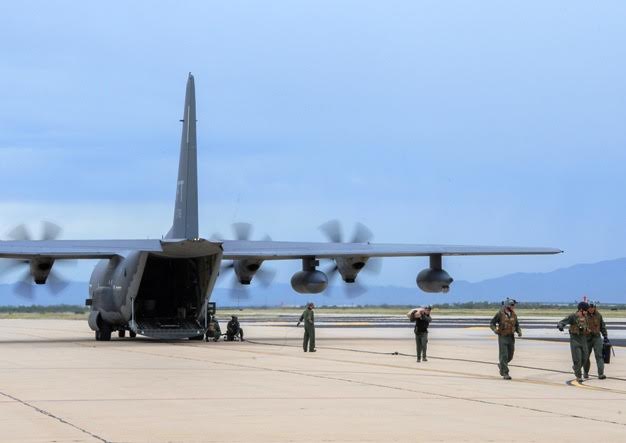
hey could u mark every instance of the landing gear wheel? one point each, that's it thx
(121, 333)
(104, 332)
(132, 334)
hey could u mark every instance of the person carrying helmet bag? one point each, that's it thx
(421, 319)
(578, 336)
(505, 324)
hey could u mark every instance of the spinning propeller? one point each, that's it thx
(245, 270)
(25, 286)
(334, 232)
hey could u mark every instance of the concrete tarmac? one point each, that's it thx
(363, 385)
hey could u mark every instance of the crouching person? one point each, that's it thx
(233, 329)
(214, 332)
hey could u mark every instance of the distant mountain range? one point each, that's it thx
(604, 281)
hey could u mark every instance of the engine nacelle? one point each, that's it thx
(40, 269)
(434, 280)
(350, 267)
(245, 270)
(309, 282)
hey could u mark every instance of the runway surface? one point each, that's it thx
(363, 384)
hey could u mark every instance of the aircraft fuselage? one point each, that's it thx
(157, 295)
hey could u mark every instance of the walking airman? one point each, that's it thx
(578, 337)
(597, 329)
(308, 317)
(505, 324)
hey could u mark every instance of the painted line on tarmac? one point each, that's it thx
(56, 417)
(457, 373)
(575, 383)
(385, 365)
(378, 385)
(464, 360)
(412, 368)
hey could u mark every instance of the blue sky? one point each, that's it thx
(431, 122)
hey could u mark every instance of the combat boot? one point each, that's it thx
(506, 377)
(601, 377)
(586, 375)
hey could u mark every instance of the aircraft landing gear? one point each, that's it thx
(121, 333)
(103, 333)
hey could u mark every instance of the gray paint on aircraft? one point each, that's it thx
(185, 224)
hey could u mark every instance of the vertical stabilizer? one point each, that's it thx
(186, 209)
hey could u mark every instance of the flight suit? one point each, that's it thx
(421, 335)
(505, 324)
(233, 330)
(578, 336)
(597, 330)
(214, 331)
(308, 317)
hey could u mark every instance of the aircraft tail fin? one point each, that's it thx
(185, 223)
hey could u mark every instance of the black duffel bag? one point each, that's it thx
(607, 349)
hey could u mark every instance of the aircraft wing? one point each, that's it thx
(97, 249)
(47, 251)
(242, 249)
(277, 250)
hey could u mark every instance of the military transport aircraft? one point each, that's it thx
(161, 288)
